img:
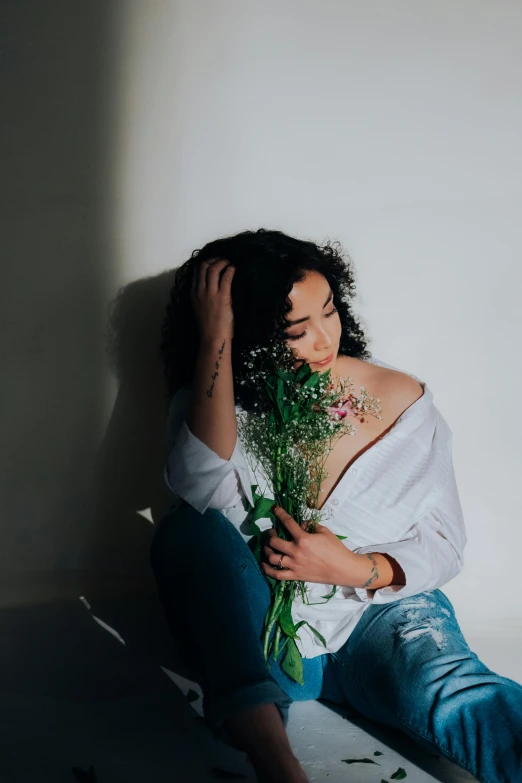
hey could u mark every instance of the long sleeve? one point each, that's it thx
(194, 472)
(432, 553)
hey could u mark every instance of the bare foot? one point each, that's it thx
(260, 732)
(279, 770)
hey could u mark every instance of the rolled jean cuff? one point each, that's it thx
(265, 692)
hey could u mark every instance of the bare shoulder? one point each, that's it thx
(398, 388)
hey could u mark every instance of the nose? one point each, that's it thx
(323, 342)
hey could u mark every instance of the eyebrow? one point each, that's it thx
(307, 317)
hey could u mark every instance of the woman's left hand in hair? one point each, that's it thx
(310, 557)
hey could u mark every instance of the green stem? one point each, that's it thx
(274, 614)
(276, 642)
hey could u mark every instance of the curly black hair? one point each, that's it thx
(268, 264)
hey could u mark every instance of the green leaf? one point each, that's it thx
(321, 638)
(272, 582)
(293, 411)
(341, 538)
(192, 695)
(330, 595)
(399, 775)
(286, 622)
(300, 375)
(286, 376)
(255, 494)
(262, 509)
(360, 761)
(280, 392)
(284, 643)
(292, 663)
(312, 381)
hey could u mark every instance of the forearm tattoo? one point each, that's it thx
(215, 375)
(375, 574)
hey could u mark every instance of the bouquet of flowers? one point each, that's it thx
(300, 414)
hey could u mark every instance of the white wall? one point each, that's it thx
(394, 127)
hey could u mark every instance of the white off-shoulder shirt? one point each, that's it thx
(398, 497)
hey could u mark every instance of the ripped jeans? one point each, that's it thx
(405, 665)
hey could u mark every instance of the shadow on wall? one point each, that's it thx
(58, 66)
(69, 503)
(129, 476)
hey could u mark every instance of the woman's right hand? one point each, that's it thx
(212, 300)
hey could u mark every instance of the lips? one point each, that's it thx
(326, 360)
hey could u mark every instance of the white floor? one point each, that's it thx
(75, 695)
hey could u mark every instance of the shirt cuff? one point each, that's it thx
(193, 471)
(407, 556)
(239, 461)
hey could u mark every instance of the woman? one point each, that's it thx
(394, 650)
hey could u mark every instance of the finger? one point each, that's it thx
(279, 544)
(288, 521)
(273, 558)
(225, 279)
(213, 272)
(276, 573)
(199, 277)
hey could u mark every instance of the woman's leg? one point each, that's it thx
(215, 598)
(408, 665)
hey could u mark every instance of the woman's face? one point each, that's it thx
(318, 333)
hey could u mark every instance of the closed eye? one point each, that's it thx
(298, 336)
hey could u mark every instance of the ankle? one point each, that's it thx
(278, 769)
(258, 725)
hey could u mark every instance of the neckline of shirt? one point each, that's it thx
(406, 422)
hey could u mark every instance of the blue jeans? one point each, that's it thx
(406, 664)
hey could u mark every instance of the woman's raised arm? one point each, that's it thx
(211, 414)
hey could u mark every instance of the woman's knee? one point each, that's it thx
(182, 529)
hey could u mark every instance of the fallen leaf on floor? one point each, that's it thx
(359, 761)
(377, 753)
(399, 775)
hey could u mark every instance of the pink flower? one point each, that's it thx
(341, 409)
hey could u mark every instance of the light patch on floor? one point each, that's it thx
(95, 682)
